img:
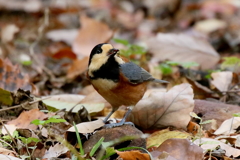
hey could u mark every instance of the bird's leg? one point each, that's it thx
(122, 122)
(109, 115)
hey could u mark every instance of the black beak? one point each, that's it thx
(112, 52)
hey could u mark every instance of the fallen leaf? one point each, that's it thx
(91, 33)
(65, 35)
(181, 149)
(55, 151)
(222, 80)
(157, 155)
(158, 137)
(210, 25)
(229, 126)
(11, 78)
(7, 157)
(182, 48)
(78, 67)
(4, 151)
(208, 143)
(67, 101)
(8, 32)
(26, 117)
(87, 127)
(214, 110)
(133, 155)
(164, 109)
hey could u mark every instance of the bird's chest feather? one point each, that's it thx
(103, 85)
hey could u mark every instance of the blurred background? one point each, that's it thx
(47, 42)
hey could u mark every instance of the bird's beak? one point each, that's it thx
(112, 52)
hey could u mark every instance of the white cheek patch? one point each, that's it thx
(119, 59)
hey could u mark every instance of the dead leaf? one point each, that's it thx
(67, 101)
(26, 117)
(210, 25)
(181, 149)
(208, 143)
(87, 127)
(7, 157)
(158, 137)
(90, 34)
(229, 126)
(182, 48)
(222, 80)
(8, 32)
(133, 155)
(65, 35)
(4, 151)
(11, 78)
(78, 67)
(157, 155)
(164, 109)
(214, 110)
(55, 151)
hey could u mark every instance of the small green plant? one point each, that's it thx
(230, 62)
(53, 119)
(131, 49)
(167, 67)
(199, 134)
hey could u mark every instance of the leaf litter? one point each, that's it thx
(51, 61)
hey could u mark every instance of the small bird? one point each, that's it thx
(118, 81)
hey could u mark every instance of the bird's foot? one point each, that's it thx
(112, 125)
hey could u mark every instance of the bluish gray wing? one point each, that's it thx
(135, 74)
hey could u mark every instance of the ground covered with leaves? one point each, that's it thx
(49, 110)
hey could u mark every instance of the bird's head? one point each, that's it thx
(101, 54)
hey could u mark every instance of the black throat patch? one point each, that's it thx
(110, 70)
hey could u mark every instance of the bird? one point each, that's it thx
(118, 80)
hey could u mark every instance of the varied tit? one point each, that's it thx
(118, 81)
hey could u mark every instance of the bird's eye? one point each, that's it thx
(99, 51)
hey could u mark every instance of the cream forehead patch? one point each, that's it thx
(106, 48)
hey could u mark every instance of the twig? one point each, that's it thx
(39, 37)
(8, 145)
(8, 132)
(20, 105)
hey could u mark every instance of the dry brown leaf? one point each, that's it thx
(181, 149)
(90, 34)
(4, 151)
(164, 109)
(214, 110)
(208, 143)
(11, 78)
(183, 48)
(222, 80)
(158, 137)
(228, 126)
(210, 25)
(55, 151)
(87, 127)
(26, 117)
(133, 155)
(8, 32)
(79, 66)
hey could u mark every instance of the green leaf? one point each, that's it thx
(38, 122)
(54, 120)
(6, 97)
(26, 63)
(194, 115)
(236, 114)
(96, 146)
(29, 140)
(109, 152)
(189, 64)
(209, 142)
(165, 69)
(78, 139)
(206, 122)
(121, 41)
(230, 62)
